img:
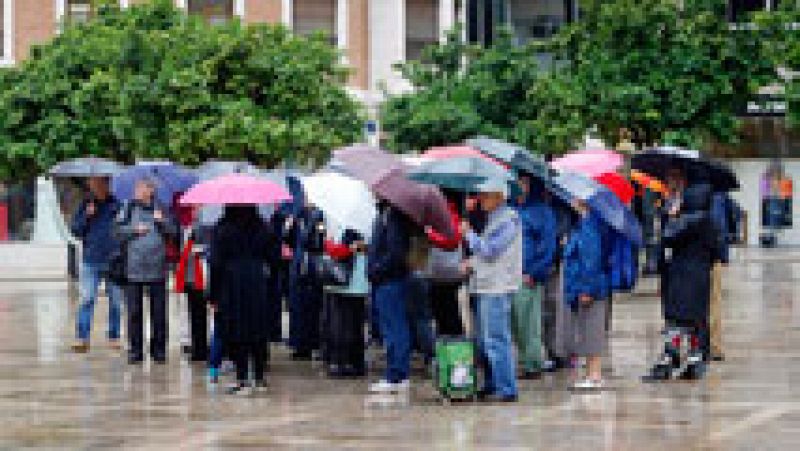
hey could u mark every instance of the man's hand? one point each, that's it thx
(91, 209)
(466, 267)
(142, 229)
(158, 215)
(585, 300)
(465, 226)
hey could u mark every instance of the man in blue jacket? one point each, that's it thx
(388, 273)
(93, 225)
(538, 254)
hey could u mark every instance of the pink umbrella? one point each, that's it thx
(589, 162)
(446, 152)
(235, 189)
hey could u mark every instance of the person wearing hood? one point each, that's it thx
(496, 273)
(690, 244)
(585, 293)
(538, 254)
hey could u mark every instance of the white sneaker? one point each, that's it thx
(588, 384)
(384, 386)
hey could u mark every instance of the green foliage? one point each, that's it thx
(662, 72)
(501, 91)
(784, 39)
(150, 82)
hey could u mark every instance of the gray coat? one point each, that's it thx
(147, 260)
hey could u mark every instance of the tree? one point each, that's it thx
(502, 91)
(152, 82)
(665, 72)
(784, 44)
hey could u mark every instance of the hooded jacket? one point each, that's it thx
(584, 268)
(539, 236)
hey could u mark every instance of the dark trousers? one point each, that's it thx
(198, 323)
(134, 296)
(307, 308)
(444, 305)
(345, 330)
(247, 353)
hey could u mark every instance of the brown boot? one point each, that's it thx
(80, 347)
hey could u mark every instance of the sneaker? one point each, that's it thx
(260, 386)
(239, 389)
(588, 384)
(80, 347)
(115, 344)
(384, 386)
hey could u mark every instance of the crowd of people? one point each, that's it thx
(540, 274)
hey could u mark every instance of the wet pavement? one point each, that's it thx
(52, 398)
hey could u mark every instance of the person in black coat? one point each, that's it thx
(243, 250)
(690, 245)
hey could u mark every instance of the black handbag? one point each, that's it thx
(118, 261)
(333, 272)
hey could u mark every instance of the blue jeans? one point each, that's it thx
(420, 316)
(91, 274)
(494, 338)
(390, 301)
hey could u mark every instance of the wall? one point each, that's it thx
(33, 24)
(749, 172)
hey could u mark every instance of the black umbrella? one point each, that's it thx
(657, 162)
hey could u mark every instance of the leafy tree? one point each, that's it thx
(151, 82)
(504, 91)
(784, 45)
(665, 72)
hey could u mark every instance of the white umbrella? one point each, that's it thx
(347, 203)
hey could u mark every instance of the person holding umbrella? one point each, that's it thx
(93, 225)
(144, 229)
(539, 247)
(496, 274)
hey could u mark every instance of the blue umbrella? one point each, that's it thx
(170, 179)
(601, 200)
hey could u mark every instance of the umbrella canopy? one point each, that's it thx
(86, 167)
(460, 173)
(589, 162)
(368, 164)
(235, 189)
(648, 181)
(658, 162)
(170, 179)
(215, 168)
(516, 156)
(447, 152)
(602, 201)
(618, 185)
(424, 204)
(347, 203)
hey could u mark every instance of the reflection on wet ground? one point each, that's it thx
(52, 398)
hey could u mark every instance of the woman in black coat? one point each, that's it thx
(690, 246)
(243, 250)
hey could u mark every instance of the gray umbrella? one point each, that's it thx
(516, 156)
(365, 163)
(86, 167)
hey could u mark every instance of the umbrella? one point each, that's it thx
(618, 185)
(600, 200)
(86, 167)
(368, 164)
(443, 153)
(658, 161)
(648, 181)
(235, 189)
(516, 156)
(424, 204)
(212, 214)
(460, 173)
(346, 202)
(170, 179)
(589, 162)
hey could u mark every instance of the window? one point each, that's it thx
(537, 19)
(215, 11)
(738, 10)
(422, 26)
(79, 11)
(311, 16)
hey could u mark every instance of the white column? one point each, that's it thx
(287, 13)
(124, 3)
(387, 37)
(342, 30)
(182, 4)
(239, 8)
(7, 58)
(447, 17)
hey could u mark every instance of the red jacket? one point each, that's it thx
(337, 251)
(180, 272)
(442, 241)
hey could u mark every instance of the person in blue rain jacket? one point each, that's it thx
(585, 292)
(538, 222)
